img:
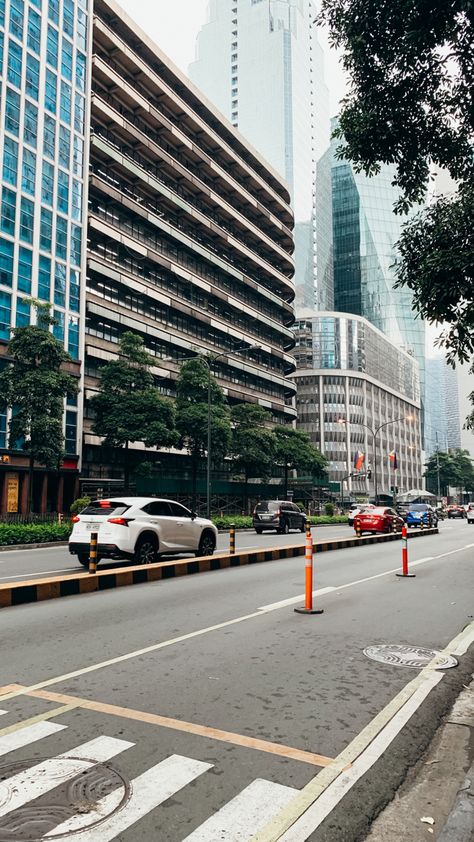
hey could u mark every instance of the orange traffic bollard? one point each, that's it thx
(308, 607)
(405, 574)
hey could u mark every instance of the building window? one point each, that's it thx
(49, 143)
(32, 77)
(34, 31)
(53, 10)
(80, 72)
(60, 285)
(73, 291)
(6, 262)
(76, 200)
(78, 155)
(46, 230)
(66, 59)
(76, 238)
(5, 315)
(44, 278)
(29, 172)
(15, 58)
(81, 36)
(65, 103)
(10, 160)
(73, 337)
(64, 147)
(47, 185)
(50, 91)
(70, 439)
(25, 265)
(30, 127)
(63, 192)
(23, 313)
(79, 113)
(12, 112)
(58, 327)
(61, 237)
(16, 18)
(27, 214)
(52, 47)
(8, 213)
(68, 17)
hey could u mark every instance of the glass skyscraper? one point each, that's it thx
(44, 67)
(260, 63)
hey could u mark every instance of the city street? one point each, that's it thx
(208, 705)
(26, 564)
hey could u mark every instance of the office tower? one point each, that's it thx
(351, 379)
(260, 63)
(444, 422)
(44, 66)
(365, 233)
(466, 406)
(190, 237)
(453, 417)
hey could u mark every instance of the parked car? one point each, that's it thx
(456, 511)
(470, 513)
(357, 510)
(142, 529)
(418, 513)
(279, 515)
(378, 519)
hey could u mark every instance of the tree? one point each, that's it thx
(129, 407)
(455, 469)
(192, 414)
(411, 69)
(253, 443)
(34, 385)
(295, 451)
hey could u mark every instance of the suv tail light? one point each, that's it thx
(120, 521)
(75, 519)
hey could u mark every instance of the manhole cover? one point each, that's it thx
(74, 801)
(414, 657)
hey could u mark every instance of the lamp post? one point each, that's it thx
(374, 433)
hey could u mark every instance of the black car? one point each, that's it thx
(279, 515)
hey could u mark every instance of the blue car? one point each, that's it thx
(420, 513)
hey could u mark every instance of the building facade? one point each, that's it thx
(443, 427)
(260, 63)
(350, 380)
(365, 233)
(190, 235)
(45, 50)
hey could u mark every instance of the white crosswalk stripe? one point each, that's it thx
(246, 814)
(148, 791)
(25, 736)
(38, 780)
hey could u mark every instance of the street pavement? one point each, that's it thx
(29, 563)
(198, 708)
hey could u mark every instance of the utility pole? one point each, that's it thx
(437, 466)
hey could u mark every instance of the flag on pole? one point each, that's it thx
(359, 460)
(393, 458)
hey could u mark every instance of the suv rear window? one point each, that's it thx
(418, 507)
(267, 506)
(105, 507)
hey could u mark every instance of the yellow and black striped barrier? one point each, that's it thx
(93, 552)
(232, 539)
(38, 590)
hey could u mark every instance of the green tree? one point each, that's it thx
(253, 443)
(192, 418)
(34, 385)
(410, 105)
(129, 407)
(455, 469)
(295, 451)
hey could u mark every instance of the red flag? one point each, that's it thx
(359, 460)
(393, 458)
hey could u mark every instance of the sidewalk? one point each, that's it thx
(439, 788)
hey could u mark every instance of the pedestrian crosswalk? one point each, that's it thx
(106, 818)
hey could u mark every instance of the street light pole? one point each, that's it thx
(437, 466)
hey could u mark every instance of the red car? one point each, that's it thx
(378, 519)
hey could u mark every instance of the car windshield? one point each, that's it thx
(267, 506)
(105, 507)
(418, 507)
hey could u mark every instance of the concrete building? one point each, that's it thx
(351, 379)
(260, 63)
(190, 235)
(44, 102)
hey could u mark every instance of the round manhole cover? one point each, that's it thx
(414, 657)
(81, 803)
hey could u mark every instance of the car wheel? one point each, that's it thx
(207, 544)
(284, 528)
(258, 531)
(146, 550)
(83, 558)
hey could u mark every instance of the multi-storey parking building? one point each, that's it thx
(190, 231)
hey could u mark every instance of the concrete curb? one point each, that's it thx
(460, 824)
(37, 590)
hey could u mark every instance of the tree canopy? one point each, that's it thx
(253, 442)
(456, 469)
(295, 451)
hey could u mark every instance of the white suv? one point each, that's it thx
(140, 528)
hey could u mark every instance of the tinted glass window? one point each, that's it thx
(268, 506)
(179, 511)
(160, 508)
(105, 507)
(418, 507)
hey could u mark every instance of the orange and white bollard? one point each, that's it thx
(405, 574)
(308, 606)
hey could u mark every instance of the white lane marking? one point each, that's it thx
(25, 736)
(291, 600)
(73, 571)
(148, 791)
(329, 799)
(32, 783)
(246, 814)
(30, 549)
(3, 712)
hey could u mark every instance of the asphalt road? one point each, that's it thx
(212, 696)
(29, 563)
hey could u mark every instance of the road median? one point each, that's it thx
(38, 590)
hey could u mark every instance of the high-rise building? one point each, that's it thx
(260, 63)
(365, 233)
(453, 416)
(443, 427)
(44, 102)
(189, 234)
(352, 380)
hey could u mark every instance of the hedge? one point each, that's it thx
(33, 533)
(246, 522)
